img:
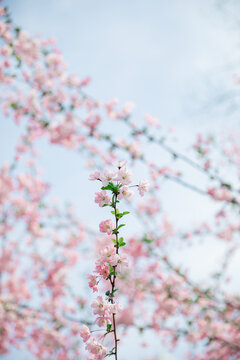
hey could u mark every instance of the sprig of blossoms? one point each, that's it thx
(110, 262)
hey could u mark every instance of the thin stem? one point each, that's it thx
(114, 279)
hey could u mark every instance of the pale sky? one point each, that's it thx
(172, 58)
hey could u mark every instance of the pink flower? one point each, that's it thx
(92, 282)
(220, 194)
(143, 187)
(115, 308)
(125, 193)
(127, 108)
(95, 176)
(113, 261)
(120, 164)
(103, 321)
(6, 50)
(107, 177)
(152, 121)
(124, 176)
(150, 206)
(96, 348)
(102, 198)
(99, 306)
(104, 271)
(108, 252)
(85, 333)
(106, 226)
(122, 263)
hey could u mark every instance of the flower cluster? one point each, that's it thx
(220, 194)
(124, 177)
(104, 310)
(110, 263)
(96, 349)
(108, 258)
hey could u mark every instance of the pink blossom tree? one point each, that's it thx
(43, 244)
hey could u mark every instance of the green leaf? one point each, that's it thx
(44, 123)
(109, 327)
(148, 241)
(17, 30)
(114, 241)
(120, 226)
(111, 187)
(110, 353)
(14, 105)
(19, 61)
(45, 52)
(110, 294)
(110, 274)
(108, 187)
(228, 186)
(121, 242)
(120, 215)
(115, 231)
